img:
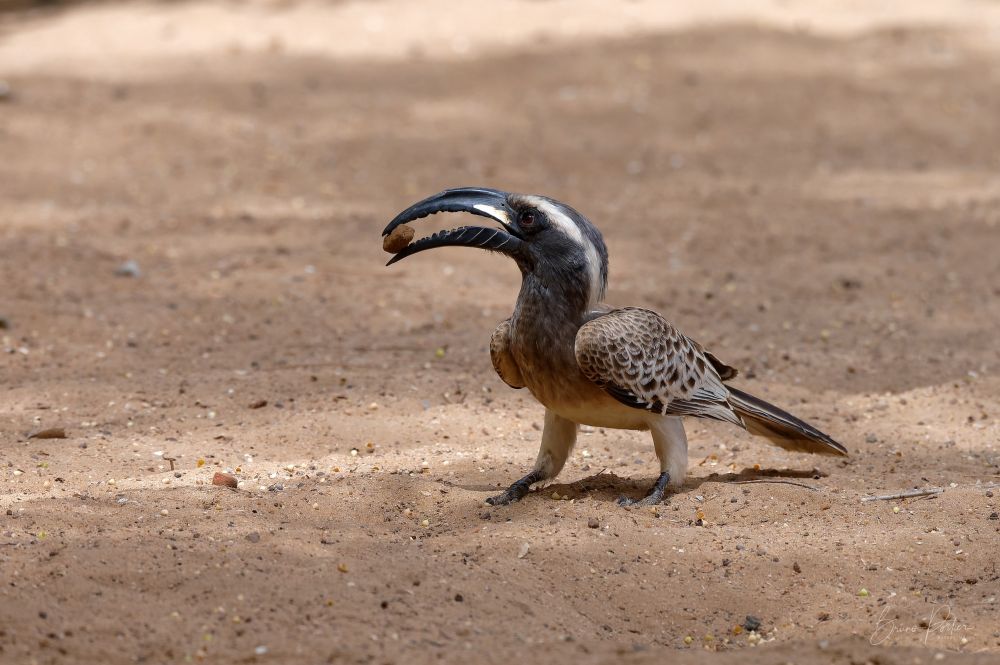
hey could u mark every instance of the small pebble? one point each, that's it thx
(593, 523)
(224, 480)
(253, 537)
(164, 512)
(128, 269)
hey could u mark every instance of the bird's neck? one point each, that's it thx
(553, 304)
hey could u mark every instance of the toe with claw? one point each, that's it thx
(517, 491)
(654, 497)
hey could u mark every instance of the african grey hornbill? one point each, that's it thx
(590, 363)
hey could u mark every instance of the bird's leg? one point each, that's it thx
(670, 443)
(558, 438)
(516, 491)
(655, 495)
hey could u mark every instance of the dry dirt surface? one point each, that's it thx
(191, 201)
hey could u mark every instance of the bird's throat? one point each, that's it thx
(545, 321)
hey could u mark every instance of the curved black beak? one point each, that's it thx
(480, 201)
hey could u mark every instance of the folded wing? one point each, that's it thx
(641, 360)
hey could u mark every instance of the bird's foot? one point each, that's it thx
(654, 497)
(517, 491)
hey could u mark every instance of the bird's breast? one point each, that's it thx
(547, 361)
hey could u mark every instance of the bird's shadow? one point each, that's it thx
(608, 486)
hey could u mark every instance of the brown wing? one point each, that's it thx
(644, 362)
(503, 360)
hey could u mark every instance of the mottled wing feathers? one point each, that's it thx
(725, 371)
(644, 362)
(503, 360)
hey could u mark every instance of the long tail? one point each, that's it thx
(780, 427)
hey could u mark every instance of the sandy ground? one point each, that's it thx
(811, 191)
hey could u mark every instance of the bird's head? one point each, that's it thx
(549, 240)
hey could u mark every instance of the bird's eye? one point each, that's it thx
(527, 218)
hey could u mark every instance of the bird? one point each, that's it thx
(590, 363)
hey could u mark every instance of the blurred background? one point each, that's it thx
(191, 202)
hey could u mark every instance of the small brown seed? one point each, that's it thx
(396, 242)
(50, 433)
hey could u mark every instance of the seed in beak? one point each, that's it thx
(396, 242)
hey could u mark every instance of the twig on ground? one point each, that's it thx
(780, 481)
(903, 495)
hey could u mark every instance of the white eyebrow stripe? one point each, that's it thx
(559, 218)
(495, 213)
(569, 227)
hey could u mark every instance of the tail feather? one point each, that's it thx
(780, 427)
